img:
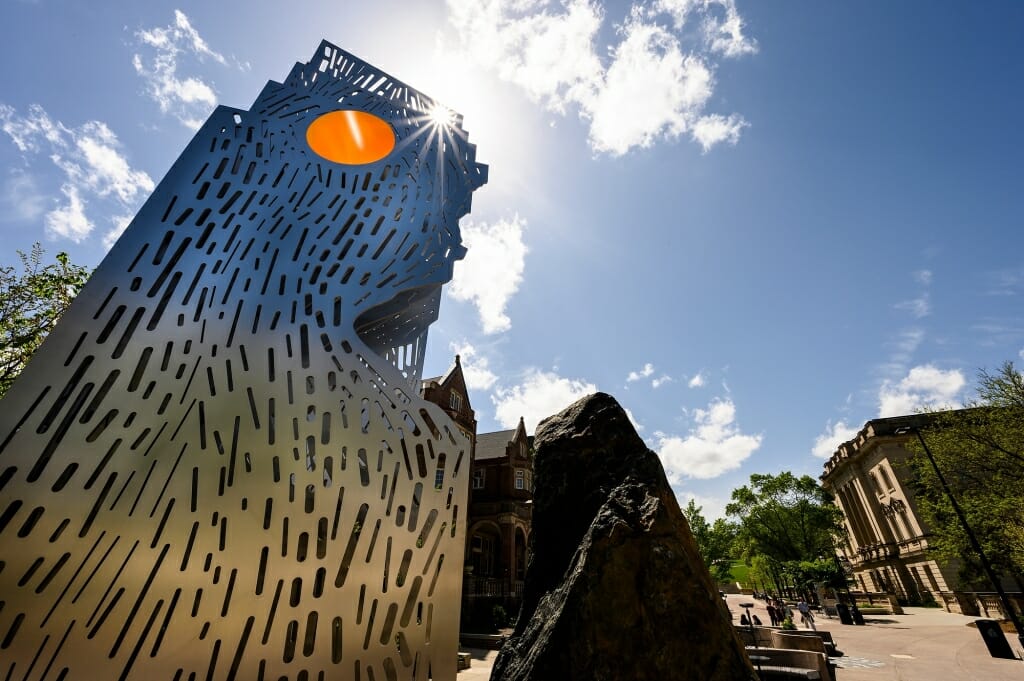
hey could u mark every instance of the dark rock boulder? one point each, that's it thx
(615, 588)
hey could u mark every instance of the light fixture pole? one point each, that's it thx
(975, 544)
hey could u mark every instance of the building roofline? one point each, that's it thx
(877, 428)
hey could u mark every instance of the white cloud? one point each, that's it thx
(651, 90)
(95, 162)
(475, 367)
(549, 54)
(187, 98)
(91, 159)
(924, 387)
(713, 447)
(541, 394)
(923, 277)
(715, 128)
(650, 87)
(119, 224)
(698, 380)
(725, 33)
(69, 221)
(492, 270)
(722, 25)
(643, 373)
(711, 507)
(835, 434)
(660, 381)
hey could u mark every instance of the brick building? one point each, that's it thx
(501, 503)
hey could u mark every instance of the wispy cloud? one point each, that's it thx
(924, 387)
(835, 434)
(721, 23)
(715, 445)
(918, 307)
(20, 198)
(698, 380)
(652, 83)
(661, 380)
(643, 373)
(1005, 282)
(492, 271)
(91, 160)
(539, 395)
(901, 352)
(188, 98)
(475, 367)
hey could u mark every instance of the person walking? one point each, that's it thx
(805, 614)
(773, 614)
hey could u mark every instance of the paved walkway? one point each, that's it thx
(480, 667)
(925, 644)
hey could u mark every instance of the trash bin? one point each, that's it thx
(857, 617)
(997, 644)
(844, 613)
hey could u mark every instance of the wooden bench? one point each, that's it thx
(796, 662)
(754, 636)
(779, 636)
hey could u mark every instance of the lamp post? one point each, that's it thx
(975, 544)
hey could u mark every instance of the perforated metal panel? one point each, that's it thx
(218, 465)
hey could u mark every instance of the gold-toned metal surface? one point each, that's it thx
(218, 466)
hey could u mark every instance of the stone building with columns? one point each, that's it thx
(886, 538)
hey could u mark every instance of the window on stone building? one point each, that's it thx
(886, 480)
(905, 519)
(520, 478)
(479, 476)
(455, 401)
(482, 550)
(931, 578)
(894, 523)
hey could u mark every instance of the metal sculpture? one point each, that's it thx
(218, 465)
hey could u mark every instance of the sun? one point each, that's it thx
(441, 115)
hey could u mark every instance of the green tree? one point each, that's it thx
(980, 451)
(714, 541)
(31, 302)
(806, 574)
(786, 517)
(784, 520)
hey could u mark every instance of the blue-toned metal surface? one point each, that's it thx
(218, 465)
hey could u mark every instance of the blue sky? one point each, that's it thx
(756, 224)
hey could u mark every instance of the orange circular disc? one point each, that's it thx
(351, 137)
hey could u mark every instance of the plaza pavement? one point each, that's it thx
(924, 644)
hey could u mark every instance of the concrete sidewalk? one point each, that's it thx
(925, 644)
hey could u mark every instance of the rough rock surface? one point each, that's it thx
(616, 588)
